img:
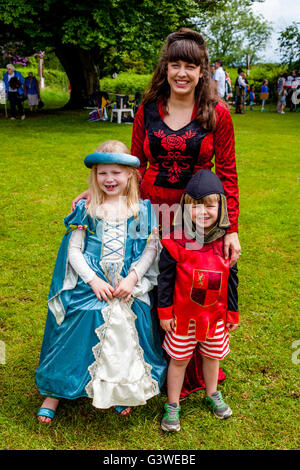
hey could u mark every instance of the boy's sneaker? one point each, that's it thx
(216, 403)
(170, 421)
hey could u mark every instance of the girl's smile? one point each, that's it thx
(112, 179)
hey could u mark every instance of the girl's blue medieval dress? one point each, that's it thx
(108, 351)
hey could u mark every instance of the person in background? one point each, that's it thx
(295, 83)
(228, 89)
(252, 97)
(212, 69)
(240, 85)
(32, 91)
(14, 93)
(280, 87)
(264, 94)
(219, 78)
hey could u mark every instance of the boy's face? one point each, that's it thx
(205, 215)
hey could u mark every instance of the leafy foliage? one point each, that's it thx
(234, 32)
(289, 43)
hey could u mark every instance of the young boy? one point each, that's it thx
(197, 293)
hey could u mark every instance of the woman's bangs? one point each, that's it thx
(185, 50)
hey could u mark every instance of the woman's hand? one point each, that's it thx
(167, 325)
(232, 247)
(84, 195)
(231, 326)
(125, 286)
(102, 289)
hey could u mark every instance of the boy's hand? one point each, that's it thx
(167, 325)
(125, 286)
(102, 289)
(231, 326)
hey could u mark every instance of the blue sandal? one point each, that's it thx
(119, 410)
(47, 413)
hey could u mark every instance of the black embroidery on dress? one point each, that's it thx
(176, 152)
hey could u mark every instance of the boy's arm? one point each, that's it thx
(232, 296)
(166, 285)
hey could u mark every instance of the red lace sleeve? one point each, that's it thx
(138, 139)
(225, 163)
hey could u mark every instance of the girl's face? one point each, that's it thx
(112, 179)
(183, 77)
(205, 215)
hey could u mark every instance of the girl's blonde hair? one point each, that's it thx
(132, 191)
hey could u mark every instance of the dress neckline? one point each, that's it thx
(162, 115)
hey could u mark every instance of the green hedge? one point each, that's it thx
(130, 83)
(126, 82)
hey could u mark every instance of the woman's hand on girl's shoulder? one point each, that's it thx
(84, 195)
(102, 289)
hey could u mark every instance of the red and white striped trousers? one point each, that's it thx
(182, 347)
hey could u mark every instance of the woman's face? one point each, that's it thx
(10, 71)
(183, 77)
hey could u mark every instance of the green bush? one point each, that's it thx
(126, 82)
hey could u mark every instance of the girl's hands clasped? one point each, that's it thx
(105, 291)
(102, 289)
(125, 286)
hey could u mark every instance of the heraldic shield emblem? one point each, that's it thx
(206, 287)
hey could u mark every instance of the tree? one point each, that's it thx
(234, 32)
(289, 43)
(82, 33)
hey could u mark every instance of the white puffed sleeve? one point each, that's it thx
(76, 258)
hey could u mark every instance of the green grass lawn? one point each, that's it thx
(41, 172)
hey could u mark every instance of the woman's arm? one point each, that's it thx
(232, 318)
(226, 171)
(138, 139)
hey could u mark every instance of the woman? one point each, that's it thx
(32, 90)
(14, 93)
(180, 126)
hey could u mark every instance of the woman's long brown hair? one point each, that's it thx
(189, 46)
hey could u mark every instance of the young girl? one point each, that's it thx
(264, 94)
(197, 293)
(252, 97)
(100, 341)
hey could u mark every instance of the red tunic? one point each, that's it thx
(200, 291)
(174, 156)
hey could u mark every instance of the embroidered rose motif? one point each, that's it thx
(173, 141)
(81, 227)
